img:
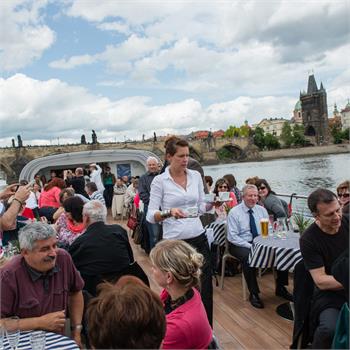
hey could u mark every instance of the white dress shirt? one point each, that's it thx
(238, 224)
(167, 194)
(95, 177)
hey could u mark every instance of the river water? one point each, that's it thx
(298, 175)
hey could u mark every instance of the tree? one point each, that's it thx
(258, 138)
(244, 130)
(286, 135)
(298, 135)
(271, 142)
(337, 134)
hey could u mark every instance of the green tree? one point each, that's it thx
(346, 133)
(298, 135)
(244, 130)
(337, 134)
(271, 142)
(258, 138)
(232, 131)
(286, 135)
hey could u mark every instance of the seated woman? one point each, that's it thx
(128, 315)
(69, 225)
(177, 268)
(274, 205)
(343, 192)
(49, 200)
(64, 194)
(231, 180)
(222, 208)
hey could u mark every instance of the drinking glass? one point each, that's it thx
(12, 331)
(2, 335)
(37, 340)
(282, 227)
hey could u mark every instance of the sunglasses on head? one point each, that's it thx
(345, 195)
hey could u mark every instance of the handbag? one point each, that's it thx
(132, 223)
(137, 234)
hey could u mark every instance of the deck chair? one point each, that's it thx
(228, 255)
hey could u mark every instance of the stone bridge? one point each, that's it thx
(13, 159)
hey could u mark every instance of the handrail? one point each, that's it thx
(294, 195)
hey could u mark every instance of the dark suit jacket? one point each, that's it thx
(103, 250)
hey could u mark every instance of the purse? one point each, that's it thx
(137, 235)
(132, 223)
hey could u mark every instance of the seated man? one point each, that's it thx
(243, 225)
(321, 244)
(41, 285)
(103, 251)
(94, 194)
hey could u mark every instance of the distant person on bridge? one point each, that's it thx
(95, 176)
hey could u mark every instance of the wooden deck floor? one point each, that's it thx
(237, 324)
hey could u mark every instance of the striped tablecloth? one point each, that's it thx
(53, 341)
(283, 254)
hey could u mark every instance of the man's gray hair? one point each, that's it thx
(33, 232)
(248, 187)
(151, 158)
(95, 210)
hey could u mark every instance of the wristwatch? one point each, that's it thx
(76, 327)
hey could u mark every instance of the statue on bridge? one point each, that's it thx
(83, 140)
(94, 137)
(154, 137)
(143, 137)
(20, 143)
(13, 143)
(209, 140)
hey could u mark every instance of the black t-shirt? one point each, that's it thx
(78, 183)
(321, 249)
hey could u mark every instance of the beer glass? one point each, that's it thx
(12, 331)
(264, 226)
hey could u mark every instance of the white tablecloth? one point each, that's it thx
(53, 341)
(283, 254)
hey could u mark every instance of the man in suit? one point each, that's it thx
(243, 225)
(103, 251)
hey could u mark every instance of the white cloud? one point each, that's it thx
(73, 62)
(24, 37)
(51, 109)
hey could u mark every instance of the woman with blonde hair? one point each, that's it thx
(176, 267)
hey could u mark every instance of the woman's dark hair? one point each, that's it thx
(173, 143)
(74, 206)
(231, 180)
(321, 195)
(260, 182)
(220, 182)
(209, 180)
(55, 182)
(128, 315)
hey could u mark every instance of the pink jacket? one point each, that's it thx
(50, 198)
(187, 327)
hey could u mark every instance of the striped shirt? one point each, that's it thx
(98, 197)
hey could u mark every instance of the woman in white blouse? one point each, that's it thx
(180, 195)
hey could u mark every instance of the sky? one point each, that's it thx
(128, 68)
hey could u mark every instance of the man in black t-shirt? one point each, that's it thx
(320, 246)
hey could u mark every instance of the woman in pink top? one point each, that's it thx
(222, 208)
(177, 268)
(49, 200)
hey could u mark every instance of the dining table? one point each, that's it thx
(52, 341)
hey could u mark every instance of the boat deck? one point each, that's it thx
(237, 324)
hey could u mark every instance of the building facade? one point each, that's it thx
(345, 116)
(314, 111)
(297, 115)
(272, 126)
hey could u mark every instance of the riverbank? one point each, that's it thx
(305, 151)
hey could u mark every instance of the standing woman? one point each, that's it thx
(119, 190)
(179, 193)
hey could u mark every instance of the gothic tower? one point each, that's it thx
(314, 111)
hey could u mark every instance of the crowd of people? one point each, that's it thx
(72, 264)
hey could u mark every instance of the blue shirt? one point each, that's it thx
(238, 227)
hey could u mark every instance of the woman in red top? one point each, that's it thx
(49, 200)
(223, 207)
(177, 268)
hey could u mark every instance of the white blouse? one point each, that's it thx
(167, 194)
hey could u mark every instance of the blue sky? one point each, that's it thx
(134, 67)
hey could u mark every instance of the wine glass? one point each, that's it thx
(282, 227)
(2, 335)
(37, 340)
(12, 331)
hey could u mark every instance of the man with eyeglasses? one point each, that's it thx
(242, 227)
(321, 244)
(343, 190)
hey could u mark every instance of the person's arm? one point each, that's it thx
(324, 281)
(233, 230)
(143, 193)
(57, 213)
(8, 220)
(76, 307)
(99, 170)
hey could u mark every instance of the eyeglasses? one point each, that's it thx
(262, 188)
(345, 195)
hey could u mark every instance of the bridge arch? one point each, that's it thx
(85, 157)
(230, 152)
(9, 173)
